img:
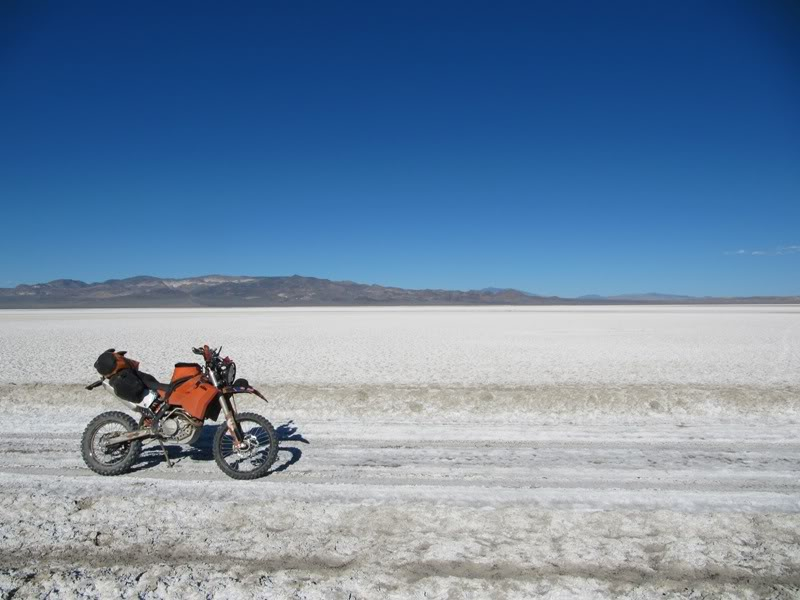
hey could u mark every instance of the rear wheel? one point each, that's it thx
(257, 452)
(104, 458)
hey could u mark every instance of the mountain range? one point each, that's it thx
(295, 290)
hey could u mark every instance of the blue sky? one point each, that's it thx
(557, 147)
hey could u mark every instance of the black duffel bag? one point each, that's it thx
(128, 385)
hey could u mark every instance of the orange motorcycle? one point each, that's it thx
(245, 445)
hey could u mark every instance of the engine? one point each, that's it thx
(179, 426)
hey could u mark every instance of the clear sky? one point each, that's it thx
(557, 147)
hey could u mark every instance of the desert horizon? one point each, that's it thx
(230, 291)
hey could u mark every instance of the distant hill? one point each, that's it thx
(242, 291)
(223, 290)
(494, 290)
(647, 297)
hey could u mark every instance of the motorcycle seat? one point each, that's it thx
(152, 383)
(165, 389)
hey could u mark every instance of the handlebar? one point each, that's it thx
(206, 352)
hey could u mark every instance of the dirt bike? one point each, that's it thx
(244, 447)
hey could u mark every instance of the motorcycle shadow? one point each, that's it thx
(288, 451)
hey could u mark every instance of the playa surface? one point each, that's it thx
(584, 452)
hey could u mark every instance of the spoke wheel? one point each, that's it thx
(104, 458)
(256, 454)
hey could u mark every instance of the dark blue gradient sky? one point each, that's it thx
(557, 147)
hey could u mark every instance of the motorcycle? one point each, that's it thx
(245, 445)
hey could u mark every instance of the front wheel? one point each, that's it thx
(106, 459)
(257, 452)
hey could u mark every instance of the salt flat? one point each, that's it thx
(748, 345)
(429, 453)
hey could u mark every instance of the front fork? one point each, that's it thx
(229, 410)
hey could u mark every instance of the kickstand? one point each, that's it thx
(164, 450)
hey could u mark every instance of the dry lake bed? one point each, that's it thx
(556, 452)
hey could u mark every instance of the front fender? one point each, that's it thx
(232, 389)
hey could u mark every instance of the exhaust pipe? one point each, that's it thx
(130, 405)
